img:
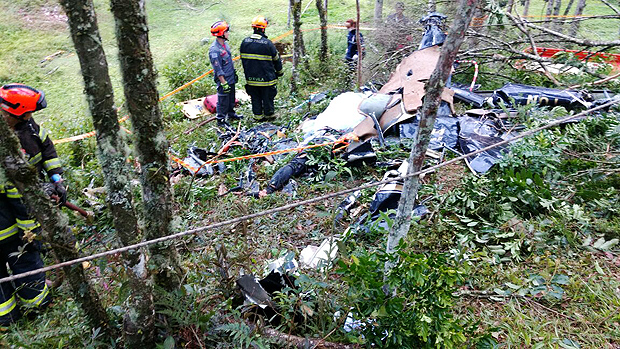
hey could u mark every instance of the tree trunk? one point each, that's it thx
(139, 315)
(568, 7)
(298, 43)
(509, 5)
(323, 19)
(378, 12)
(557, 21)
(140, 86)
(428, 114)
(478, 24)
(548, 12)
(54, 225)
(432, 6)
(359, 44)
(526, 7)
(574, 27)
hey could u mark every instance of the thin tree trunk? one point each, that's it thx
(557, 21)
(55, 228)
(574, 27)
(568, 7)
(509, 5)
(139, 315)
(359, 44)
(526, 7)
(548, 12)
(477, 24)
(298, 43)
(378, 12)
(323, 19)
(432, 6)
(428, 114)
(140, 86)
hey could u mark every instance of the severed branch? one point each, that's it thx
(564, 36)
(301, 342)
(610, 6)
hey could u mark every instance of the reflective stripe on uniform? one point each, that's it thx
(262, 83)
(35, 159)
(8, 306)
(27, 224)
(43, 134)
(52, 164)
(13, 193)
(8, 232)
(36, 301)
(256, 57)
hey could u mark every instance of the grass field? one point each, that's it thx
(36, 30)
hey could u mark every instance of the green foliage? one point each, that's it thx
(407, 307)
(550, 289)
(327, 166)
(243, 336)
(187, 66)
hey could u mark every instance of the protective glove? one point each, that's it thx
(225, 87)
(236, 77)
(61, 192)
(48, 189)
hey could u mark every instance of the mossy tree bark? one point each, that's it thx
(55, 227)
(428, 114)
(299, 49)
(138, 322)
(320, 5)
(140, 87)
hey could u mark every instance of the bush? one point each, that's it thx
(415, 312)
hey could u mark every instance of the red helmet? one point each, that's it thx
(18, 99)
(219, 28)
(260, 22)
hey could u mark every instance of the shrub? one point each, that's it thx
(415, 311)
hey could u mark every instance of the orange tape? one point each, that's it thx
(342, 140)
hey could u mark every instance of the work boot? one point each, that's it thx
(235, 116)
(221, 121)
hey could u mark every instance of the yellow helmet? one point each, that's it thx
(260, 22)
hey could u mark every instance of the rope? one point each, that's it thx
(304, 202)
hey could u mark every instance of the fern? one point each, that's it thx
(244, 336)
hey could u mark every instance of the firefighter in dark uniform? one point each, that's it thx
(262, 67)
(223, 73)
(19, 248)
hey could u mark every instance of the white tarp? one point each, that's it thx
(341, 114)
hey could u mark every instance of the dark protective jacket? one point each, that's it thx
(13, 214)
(352, 45)
(261, 61)
(38, 148)
(221, 60)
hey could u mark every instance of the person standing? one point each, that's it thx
(398, 28)
(223, 73)
(262, 67)
(351, 55)
(19, 248)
